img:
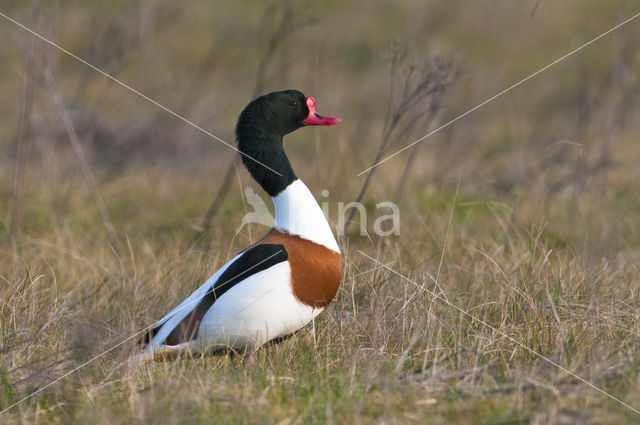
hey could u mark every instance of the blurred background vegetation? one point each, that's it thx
(102, 192)
(568, 131)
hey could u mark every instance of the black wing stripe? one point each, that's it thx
(254, 260)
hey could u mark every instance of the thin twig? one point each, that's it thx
(24, 132)
(82, 160)
(420, 87)
(217, 201)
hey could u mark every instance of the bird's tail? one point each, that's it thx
(146, 339)
(164, 352)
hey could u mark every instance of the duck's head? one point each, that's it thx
(280, 113)
(260, 129)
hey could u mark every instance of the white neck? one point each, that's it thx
(298, 213)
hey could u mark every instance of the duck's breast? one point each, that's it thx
(316, 270)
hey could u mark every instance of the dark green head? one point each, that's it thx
(260, 129)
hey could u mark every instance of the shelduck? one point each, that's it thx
(279, 284)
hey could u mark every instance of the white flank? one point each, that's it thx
(255, 311)
(298, 213)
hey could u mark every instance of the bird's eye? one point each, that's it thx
(294, 103)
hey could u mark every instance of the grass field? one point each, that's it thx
(520, 223)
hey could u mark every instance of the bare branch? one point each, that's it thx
(419, 101)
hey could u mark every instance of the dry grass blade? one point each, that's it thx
(504, 335)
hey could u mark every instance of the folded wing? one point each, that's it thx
(182, 323)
